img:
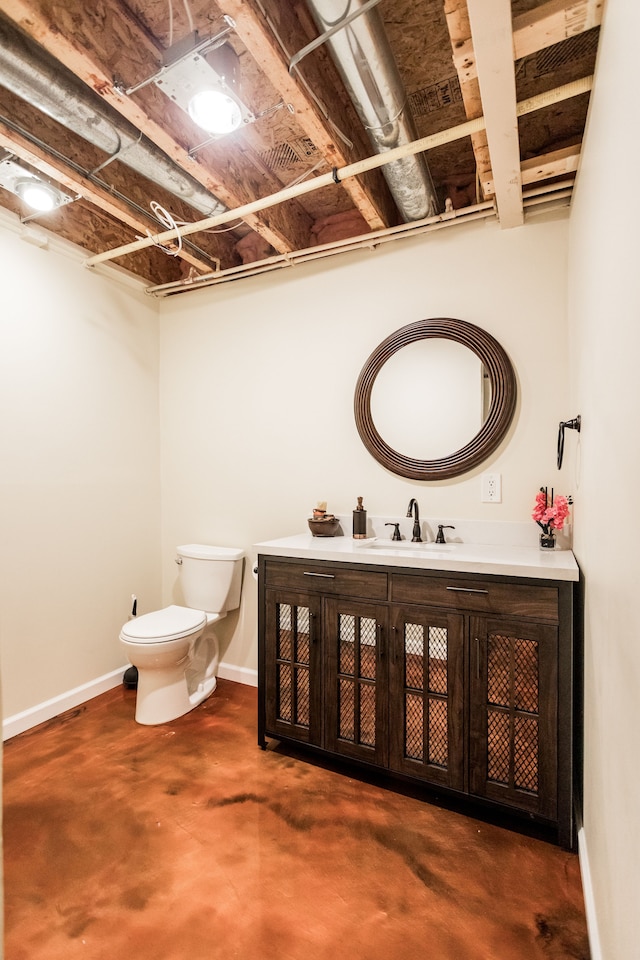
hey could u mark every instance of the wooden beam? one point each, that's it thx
(493, 45)
(259, 31)
(431, 142)
(559, 163)
(542, 27)
(554, 22)
(96, 48)
(76, 184)
(457, 16)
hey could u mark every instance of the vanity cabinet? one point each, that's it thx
(460, 681)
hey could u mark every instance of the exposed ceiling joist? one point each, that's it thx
(457, 15)
(552, 23)
(541, 27)
(559, 163)
(69, 34)
(452, 134)
(290, 181)
(68, 178)
(493, 46)
(318, 110)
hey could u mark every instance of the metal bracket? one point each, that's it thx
(301, 54)
(574, 424)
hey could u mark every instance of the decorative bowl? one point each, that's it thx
(327, 527)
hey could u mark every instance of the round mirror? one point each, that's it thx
(433, 387)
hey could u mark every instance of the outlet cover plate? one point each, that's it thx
(491, 488)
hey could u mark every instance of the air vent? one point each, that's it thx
(435, 97)
(288, 155)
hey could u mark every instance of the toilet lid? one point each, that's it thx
(171, 623)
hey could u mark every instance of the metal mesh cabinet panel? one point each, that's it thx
(514, 714)
(426, 713)
(355, 642)
(292, 675)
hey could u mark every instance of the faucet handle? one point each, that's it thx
(396, 532)
(441, 528)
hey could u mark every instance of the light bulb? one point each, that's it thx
(37, 195)
(215, 111)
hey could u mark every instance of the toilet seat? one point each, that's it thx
(170, 623)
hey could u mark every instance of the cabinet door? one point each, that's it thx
(291, 666)
(356, 679)
(426, 709)
(513, 714)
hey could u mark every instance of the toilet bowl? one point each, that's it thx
(175, 650)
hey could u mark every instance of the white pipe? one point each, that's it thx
(547, 193)
(350, 170)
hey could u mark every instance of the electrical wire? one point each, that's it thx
(168, 220)
(170, 223)
(234, 226)
(187, 10)
(345, 139)
(170, 23)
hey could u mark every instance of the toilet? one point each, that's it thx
(175, 649)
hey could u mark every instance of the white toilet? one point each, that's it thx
(175, 649)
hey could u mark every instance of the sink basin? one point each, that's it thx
(409, 546)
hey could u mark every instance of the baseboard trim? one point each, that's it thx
(42, 712)
(20, 722)
(227, 671)
(589, 899)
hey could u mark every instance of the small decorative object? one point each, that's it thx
(550, 514)
(359, 522)
(323, 524)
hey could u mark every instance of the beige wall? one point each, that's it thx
(256, 395)
(604, 312)
(257, 384)
(79, 486)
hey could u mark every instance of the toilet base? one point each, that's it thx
(176, 674)
(162, 698)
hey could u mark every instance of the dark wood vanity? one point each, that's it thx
(462, 682)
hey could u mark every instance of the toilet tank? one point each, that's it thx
(210, 577)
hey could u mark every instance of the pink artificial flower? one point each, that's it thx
(550, 516)
(540, 507)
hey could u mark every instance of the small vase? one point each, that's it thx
(547, 541)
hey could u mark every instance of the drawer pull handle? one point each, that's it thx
(466, 590)
(327, 576)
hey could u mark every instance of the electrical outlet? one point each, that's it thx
(491, 488)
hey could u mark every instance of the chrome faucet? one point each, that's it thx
(413, 505)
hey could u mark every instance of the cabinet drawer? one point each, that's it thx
(478, 596)
(318, 577)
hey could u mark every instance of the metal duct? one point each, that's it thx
(30, 73)
(363, 56)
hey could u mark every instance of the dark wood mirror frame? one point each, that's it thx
(501, 410)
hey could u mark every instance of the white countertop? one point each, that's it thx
(514, 561)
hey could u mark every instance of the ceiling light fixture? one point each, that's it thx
(203, 78)
(206, 87)
(215, 111)
(36, 193)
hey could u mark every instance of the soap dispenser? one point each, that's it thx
(359, 522)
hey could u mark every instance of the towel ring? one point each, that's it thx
(566, 425)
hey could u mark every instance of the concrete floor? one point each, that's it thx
(186, 842)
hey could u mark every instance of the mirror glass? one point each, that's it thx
(435, 399)
(427, 399)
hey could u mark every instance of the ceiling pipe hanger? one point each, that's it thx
(344, 22)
